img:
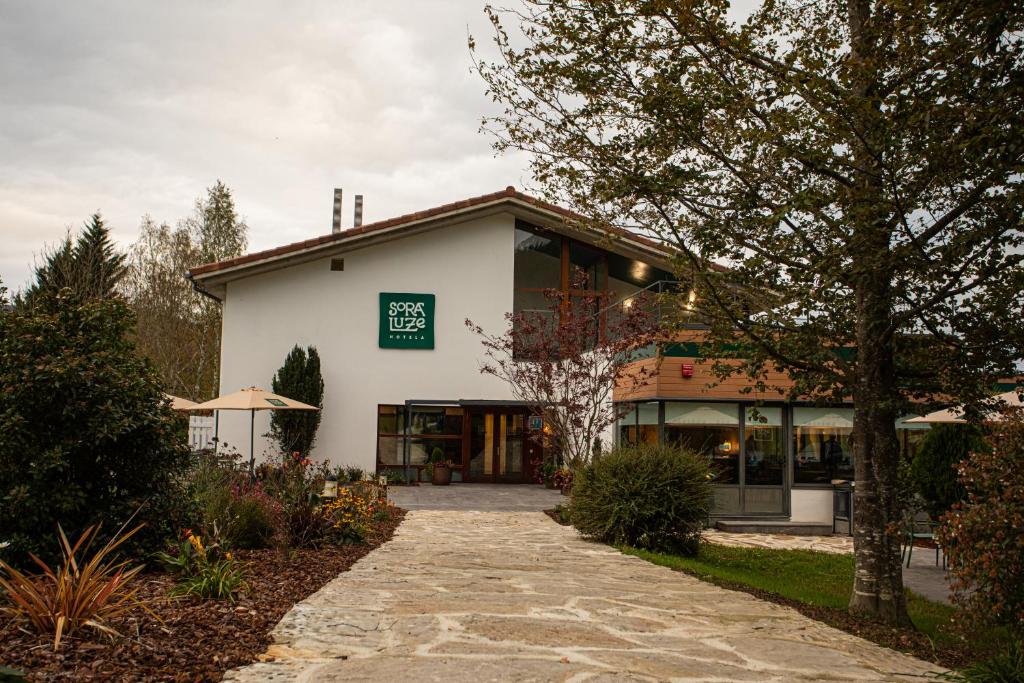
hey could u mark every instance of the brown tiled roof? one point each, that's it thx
(508, 193)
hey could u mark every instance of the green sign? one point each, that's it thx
(406, 321)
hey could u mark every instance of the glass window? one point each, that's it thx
(538, 260)
(588, 269)
(822, 445)
(709, 428)
(627, 275)
(389, 450)
(429, 420)
(640, 425)
(390, 419)
(423, 450)
(433, 427)
(764, 448)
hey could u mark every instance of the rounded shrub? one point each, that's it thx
(654, 497)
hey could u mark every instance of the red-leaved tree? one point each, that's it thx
(984, 535)
(565, 362)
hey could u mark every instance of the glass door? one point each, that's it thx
(764, 462)
(497, 447)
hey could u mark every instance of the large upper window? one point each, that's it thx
(580, 272)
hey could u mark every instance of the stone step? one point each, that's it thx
(774, 526)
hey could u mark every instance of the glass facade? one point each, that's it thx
(758, 453)
(435, 434)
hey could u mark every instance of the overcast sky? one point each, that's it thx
(134, 108)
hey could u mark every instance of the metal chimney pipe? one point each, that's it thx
(336, 225)
(358, 218)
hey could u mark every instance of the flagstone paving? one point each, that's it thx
(512, 596)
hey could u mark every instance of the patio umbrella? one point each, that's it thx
(179, 403)
(956, 415)
(253, 399)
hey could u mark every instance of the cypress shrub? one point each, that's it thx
(299, 379)
(653, 497)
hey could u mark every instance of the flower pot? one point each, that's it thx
(567, 490)
(442, 476)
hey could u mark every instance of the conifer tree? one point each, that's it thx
(300, 379)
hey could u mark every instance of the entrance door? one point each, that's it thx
(498, 448)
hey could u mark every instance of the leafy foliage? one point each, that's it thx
(179, 328)
(352, 511)
(1005, 667)
(857, 165)
(295, 484)
(653, 497)
(82, 592)
(203, 570)
(934, 468)
(983, 536)
(571, 370)
(299, 379)
(85, 432)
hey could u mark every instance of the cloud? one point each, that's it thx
(133, 108)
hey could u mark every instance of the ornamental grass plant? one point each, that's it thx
(651, 497)
(79, 593)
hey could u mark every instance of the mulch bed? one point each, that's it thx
(197, 640)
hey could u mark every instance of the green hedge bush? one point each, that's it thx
(86, 435)
(653, 497)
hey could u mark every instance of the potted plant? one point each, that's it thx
(563, 480)
(439, 469)
(546, 474)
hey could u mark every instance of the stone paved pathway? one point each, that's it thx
(511, 596)
(824, 544)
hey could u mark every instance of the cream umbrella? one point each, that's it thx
(253, 399)
(956, 415)
(179, 403)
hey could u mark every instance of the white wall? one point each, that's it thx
(468, 266)
(811, 505)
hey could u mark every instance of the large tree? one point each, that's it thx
(179, 328)
(89, 265)
(856, 163)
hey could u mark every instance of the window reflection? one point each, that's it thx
(764, 447)
(709, 428)
(822, 445)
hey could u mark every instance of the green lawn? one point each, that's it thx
(819, 579)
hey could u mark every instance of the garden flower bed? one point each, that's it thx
(192, 639)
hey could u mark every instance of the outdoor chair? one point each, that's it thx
(915, 529)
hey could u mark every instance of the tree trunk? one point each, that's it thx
(878, 570)
(878, 575)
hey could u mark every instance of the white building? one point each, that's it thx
(385, 305)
